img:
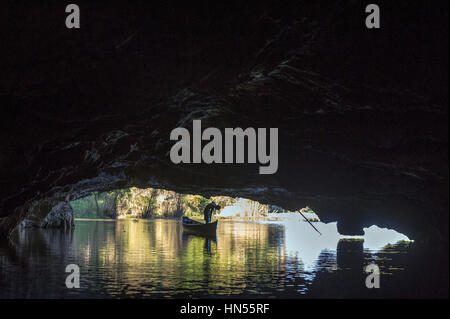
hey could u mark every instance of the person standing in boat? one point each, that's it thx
(208, 211)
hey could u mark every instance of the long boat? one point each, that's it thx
(193, 226)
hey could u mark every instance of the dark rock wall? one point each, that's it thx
(362, 115)
(49, 214)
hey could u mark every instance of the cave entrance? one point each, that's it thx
(253, 240)
(130, 243)
(152, 203)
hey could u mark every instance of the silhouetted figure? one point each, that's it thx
(207, 212)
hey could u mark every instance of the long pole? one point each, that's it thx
(309, 222)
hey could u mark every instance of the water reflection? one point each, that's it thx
(301, 238)
(155, 259)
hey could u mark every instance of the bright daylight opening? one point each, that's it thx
(303, 237)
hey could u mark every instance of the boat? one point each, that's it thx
(195, 227)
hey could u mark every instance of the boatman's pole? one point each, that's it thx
(309, 222)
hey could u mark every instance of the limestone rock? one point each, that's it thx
(44, 215)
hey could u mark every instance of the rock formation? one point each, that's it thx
(362, 115)
(41, 215)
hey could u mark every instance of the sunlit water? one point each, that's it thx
(154, 259)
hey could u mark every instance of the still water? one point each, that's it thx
(155, 259)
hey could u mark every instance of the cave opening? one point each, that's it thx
(133, 238)
(152, 203)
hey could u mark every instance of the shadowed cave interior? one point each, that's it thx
(362, 118)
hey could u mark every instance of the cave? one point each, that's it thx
(362, 115)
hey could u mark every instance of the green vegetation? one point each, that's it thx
(401, 244)
(159, 203)
(143, 203)
(195, 204)
(98, 205)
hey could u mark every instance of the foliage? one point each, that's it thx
(157, 203)
(139, 203)
(195, 204)
(85, 207)
(97, 205)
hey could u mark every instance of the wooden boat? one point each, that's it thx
(193, 226)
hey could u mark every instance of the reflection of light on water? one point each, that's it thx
(302, 242)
